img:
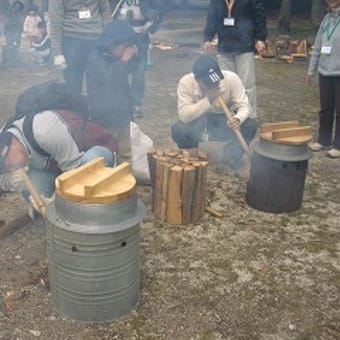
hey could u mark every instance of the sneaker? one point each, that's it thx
(137, 112)
(316, 146)
(333, 153)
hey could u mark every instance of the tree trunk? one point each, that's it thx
(318, 10)
(284, 17)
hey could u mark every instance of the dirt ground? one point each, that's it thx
(249, 275)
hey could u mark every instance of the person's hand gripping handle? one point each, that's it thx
(34, 192)
(237, 132)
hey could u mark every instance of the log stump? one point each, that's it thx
(178, 180)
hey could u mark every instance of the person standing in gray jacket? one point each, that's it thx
(326, 61)
(75, 26)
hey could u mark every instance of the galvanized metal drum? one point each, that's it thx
(93, 257)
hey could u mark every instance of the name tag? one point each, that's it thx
(229, 21)
(326, 49)
(85, 14)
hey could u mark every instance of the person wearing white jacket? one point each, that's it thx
(200, 115)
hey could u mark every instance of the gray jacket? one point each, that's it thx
(65, 21)
(326, 64)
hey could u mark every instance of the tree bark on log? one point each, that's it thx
(178, 180)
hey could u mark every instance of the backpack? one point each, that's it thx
(72, 108)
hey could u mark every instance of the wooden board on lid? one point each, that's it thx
(93, 182)
(290, 132)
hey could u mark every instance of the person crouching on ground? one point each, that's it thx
(108, 88)
(200, 115)
(58, 141)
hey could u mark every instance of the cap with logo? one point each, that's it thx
(207, 70)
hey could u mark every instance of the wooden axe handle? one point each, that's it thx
(34, 192)
(237, 132)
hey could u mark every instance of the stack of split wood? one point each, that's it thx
(178, 179)
(285, 49)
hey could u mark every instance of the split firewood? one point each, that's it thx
(178, 180)
(13, 225)
(213, 212)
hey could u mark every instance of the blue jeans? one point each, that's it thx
(188, 135)
(44, 179)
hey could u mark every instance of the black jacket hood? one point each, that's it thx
(115, 33)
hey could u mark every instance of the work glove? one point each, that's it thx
(16, 180)
(59, 62)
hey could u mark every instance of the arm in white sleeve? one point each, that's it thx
(53, 136)
(189, 108)
(238, 97)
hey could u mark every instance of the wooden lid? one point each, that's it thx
(95, 183)
(290, 132)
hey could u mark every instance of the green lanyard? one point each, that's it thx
(330, 31)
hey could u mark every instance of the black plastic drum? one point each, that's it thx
(276, 186)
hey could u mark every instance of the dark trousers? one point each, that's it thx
(76, 52)
(188, 135)
(138, 72)
(330, 111)
(11, 53)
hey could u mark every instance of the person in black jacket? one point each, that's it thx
(240, 26)
(108, 88)
(145, 17)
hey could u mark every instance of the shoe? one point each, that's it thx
(137, 112)
(316, 146)
(333, 153)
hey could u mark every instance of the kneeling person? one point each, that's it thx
(49, 143)
(201, 116)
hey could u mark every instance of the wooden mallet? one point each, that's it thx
(237, 132)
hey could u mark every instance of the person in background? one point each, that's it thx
(145, 17)
(325, 60)
(41, 47)
(108, 88)
(12, 31)
(240, 26)
(200, 115)
(75, 27)
(31, 22)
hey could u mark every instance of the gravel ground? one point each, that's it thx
(249, 275)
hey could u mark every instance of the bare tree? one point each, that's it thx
(284, 17)
(318, 10)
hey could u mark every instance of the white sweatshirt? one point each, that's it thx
(192, 102)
